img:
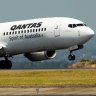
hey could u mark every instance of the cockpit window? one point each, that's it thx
(80, 24)
(70, 25)
(76, 25)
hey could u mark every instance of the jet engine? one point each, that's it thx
(39, 56)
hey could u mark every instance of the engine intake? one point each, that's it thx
(39, 56)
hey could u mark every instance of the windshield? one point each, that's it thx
(76, 25)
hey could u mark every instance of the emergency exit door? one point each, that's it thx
(57, 30)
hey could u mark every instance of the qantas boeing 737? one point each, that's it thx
(38, 39)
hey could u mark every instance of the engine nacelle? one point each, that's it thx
(39, 56)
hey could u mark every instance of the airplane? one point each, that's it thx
(38, 39)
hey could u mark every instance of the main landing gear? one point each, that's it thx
(5, 64)
(72, 56)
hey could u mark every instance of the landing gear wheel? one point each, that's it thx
(8, 64)
(71, 57)
(2, 64)
(5, 64)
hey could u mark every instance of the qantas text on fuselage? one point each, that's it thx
(24, 26)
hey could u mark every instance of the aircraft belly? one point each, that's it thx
(20, 47)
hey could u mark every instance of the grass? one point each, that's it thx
(47, 77)
(88, 61)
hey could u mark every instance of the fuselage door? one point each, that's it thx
(57, 29)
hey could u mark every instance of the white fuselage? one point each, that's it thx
(42, 34)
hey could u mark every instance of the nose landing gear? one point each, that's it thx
(72, 56)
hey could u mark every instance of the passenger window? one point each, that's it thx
(18, 32)
(10, 33)
(30, 30)
(36, 30)
(39, 29)
(24, 31)
(4, 33)
(15, 32)
(44, 29)
(27, 31)
(33, 30)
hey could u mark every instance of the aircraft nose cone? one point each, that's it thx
(86, 34)
(90, 33)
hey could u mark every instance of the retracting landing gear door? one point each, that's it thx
(57, 29)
